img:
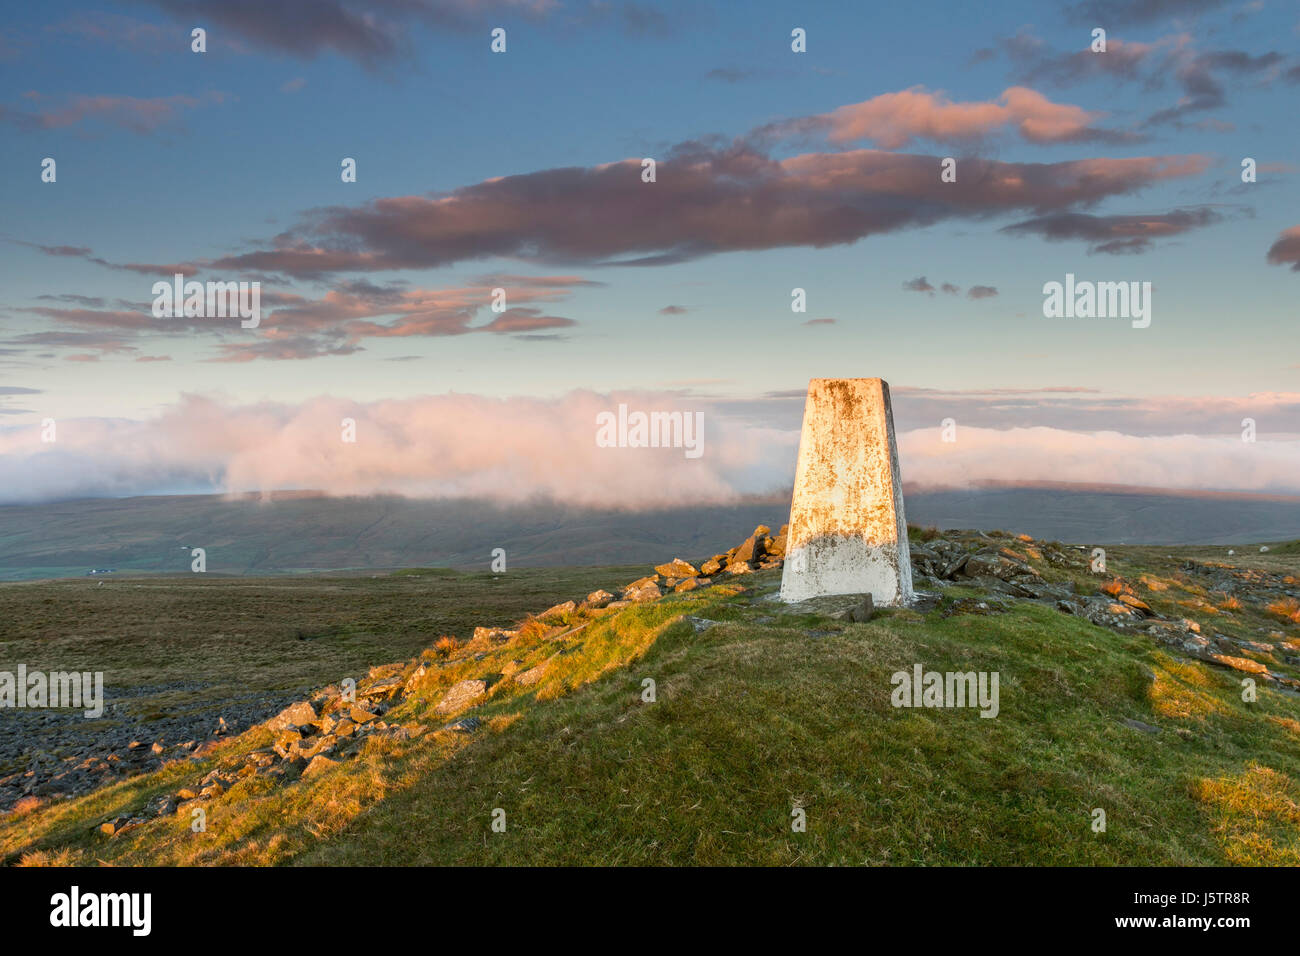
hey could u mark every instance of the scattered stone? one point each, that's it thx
(646, 592)
(531, 676)
(559, 610)
(861, 612)
(677, 568)
(359, 715)
(466, 725)
(318, 764)
(461, 696)
(1138, 725)
(295, 715)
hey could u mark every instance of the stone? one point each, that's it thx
(287, 743)
(318, 763)
(359, 715)
(862, 611)
(646, 592)
(295, 715)
(1138, 725)
(1136, 603)
(598, 598)
(690, 584)
(848, 532)
(713, 565)
(466, 725)
(560, 610)
(461, 695)
(531, 676)
(751, 550)
(677, 568)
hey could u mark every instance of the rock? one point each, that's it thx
(1136, 603)
(598, 599)
(317, 745)
(211, 791)
(559, 610)
(461, 696)
(161, 805)
(690, 584)
(954, 566)
(739, 567)
(344, 728)
(752, 549)
(120, 825)
(925, 601)
(531, 676)
(185, 793)
(861, 612)
(1138, 725)
(466, 725)
(677, 568)
(318, 764)
(359, 715)
(713, 565)
(1239, 663)
(295, 715)
(382, 689)
(616, 605)
(646, 592)
(287, 743)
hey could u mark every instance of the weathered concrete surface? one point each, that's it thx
(847, 532)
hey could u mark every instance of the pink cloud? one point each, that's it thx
(893, 120)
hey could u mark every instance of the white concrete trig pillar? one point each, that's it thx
(848, 534)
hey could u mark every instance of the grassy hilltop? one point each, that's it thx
(760, 709)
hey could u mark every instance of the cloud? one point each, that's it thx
(919, 284)
(512, 449)
(1115, 234)
(705, 201)
(141, 115)
(297, 327)
(375, 32)
(1036, 63)
(1141, 11)
(452, 445)
(893, 120)
(981, 292)
(1023, 455)
(121, 31)
(1286, 249)
(673, 310)
(820, 322)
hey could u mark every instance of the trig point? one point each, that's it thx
(847, 531)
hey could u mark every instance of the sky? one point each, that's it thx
(795, 146)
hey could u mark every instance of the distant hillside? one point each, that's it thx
(304, 531)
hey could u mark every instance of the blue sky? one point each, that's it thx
(169, 156)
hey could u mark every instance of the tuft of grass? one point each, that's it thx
(1287, 608)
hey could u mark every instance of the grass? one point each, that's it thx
(761, 713)
(236, 635)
